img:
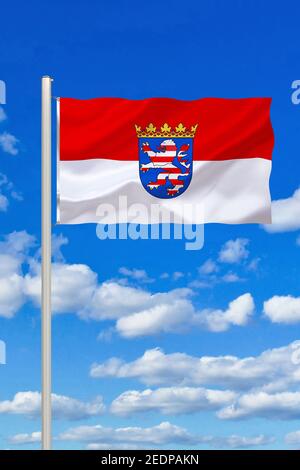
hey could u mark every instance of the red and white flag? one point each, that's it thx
(210, 153)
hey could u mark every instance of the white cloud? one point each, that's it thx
(76, 290)
(239, 442)
(29, 404)
(2, 114)
(164, 276)
(231, 252)
(231, 277)
(3, 203)
(177, 275)
(285, 214)
(3, 180)
(73, 287)
(112, 301)
(135, 311)
(234, 251)
(274, 369)
(9, 143)
(174, 311)
(9, 264)
(7, 190)
(12, 254)
(170, 400)
(164, 312)
(228, 442)
(17, 195)
(106, 335)
(136, 274)
(163, 433)
(11, 289)
(118, 446)
(209, 267)
(283, 309)
(238, 313)
(57, 242)
(253, 265)
(201, 284)
(17, 242)
(25, 438)
(283, 405)
(293, 439)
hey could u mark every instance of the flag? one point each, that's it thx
(211, 154)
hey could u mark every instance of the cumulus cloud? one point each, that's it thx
(29, 404)
(231, 277)
(170, 400)
(112, 301)
(274, 369)
(239, 442)
(17, 195)
(211, 272)
(7, 190)
(3, 203)
(293, 439)
(76, 290)
(254, 264)
(11, 288)
(177, 275)
(164, 276)
(116, 438)
(25, 438)
(283, 309)
(201, 284)
(9, 143)
(17, 242)
(163, 433)
(136, 274)
(234, 251)
(164, 312)
(231, 442)
(73, 287)
(109, 446)
(2, 114)
(285, 214)
(208, 267)
(174, 311)
(281, 405)
(135, 311)
(238, 313)
(57, 242)
(13, 251)
(98, 437)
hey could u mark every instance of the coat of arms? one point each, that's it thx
(166, 159)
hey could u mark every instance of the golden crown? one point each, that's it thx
(166, 131)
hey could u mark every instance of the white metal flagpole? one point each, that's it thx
(46, 263)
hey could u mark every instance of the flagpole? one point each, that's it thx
(46, 263)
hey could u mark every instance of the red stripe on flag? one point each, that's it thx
(169, 147)
(105, 127)
(180, 182)
(158, 183)
(173, 170)
(162, 159)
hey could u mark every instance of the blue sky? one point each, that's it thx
(134, 50)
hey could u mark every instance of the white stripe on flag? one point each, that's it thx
(229, 191)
